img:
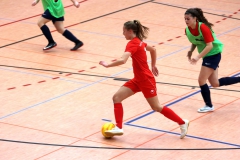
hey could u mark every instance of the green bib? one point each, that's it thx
(55, 8)
(199, 42)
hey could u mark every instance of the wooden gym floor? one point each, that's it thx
(63, 98)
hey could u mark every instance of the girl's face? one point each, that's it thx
(190, 20)
(128, 33)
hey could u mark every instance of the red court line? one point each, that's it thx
(68, 74)
(78, 141)
(11, 88)
(56, 150)
(93, 67)
(41, 81)
(34, 16)
(55, 77)
(185, 34)
(16, 125)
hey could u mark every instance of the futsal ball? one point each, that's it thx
(105, 127)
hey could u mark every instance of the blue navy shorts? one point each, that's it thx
(48, 15)
(212, 61)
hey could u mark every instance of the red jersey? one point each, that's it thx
(206, 32)
(137, 48)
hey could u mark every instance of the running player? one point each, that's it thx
(199, 32)
(54, 11)
(143, 80)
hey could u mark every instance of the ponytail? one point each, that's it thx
(198, 13)
(140, 30)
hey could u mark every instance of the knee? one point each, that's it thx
(201, 82)
(216, 84)
(116, 98)
(40, 24)
(157, 108)
(61, 30)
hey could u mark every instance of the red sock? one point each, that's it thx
(167, 112)
(118, 112)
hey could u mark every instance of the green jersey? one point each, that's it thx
(199, 42)
(55, 8)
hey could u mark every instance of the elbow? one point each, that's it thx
(210, 46)
(153, 50)
(123, 61)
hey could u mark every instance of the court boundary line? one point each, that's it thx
(203, 11)
(176, 101)
(79, 23)
(5, 24)
(95, 147)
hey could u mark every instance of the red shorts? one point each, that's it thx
(147, 87)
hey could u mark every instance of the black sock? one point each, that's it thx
(47, 33)
(70, 36)
(228, 81)
(205, 91)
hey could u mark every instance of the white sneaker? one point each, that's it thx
(206, 109)
(114, 132)
(184, 128)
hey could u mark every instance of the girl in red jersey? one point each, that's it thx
(143, 80)
(54, 11)
(200, 34)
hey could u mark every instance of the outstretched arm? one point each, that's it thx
(153, 53)
(118, 62)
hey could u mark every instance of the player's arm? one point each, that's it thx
(35, 2)
(192, 48)
(208, 39)
(189, 55)
(207, 49)
(153, 54)
(122, 60)
(76, 3)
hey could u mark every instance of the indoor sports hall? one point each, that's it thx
(55, 102)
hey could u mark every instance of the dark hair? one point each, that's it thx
(140, 30)
(197, 12)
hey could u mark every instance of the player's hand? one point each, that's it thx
(155, 70)
(104, 64)
(194, 60)
(34, 2)
(76, 4)
(189, 55)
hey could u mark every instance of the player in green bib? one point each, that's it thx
(54, 11)
(199, 32)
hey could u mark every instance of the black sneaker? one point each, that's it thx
(77, 45)
(50, 45)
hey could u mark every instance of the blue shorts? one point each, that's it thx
(212, 61)
(48, 15)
